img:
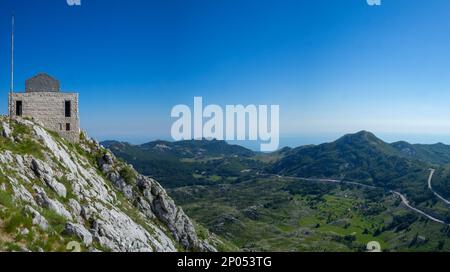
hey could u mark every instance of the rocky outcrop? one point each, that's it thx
(104, 203)
(43, 171)
(54, 205)
(152, 200)
(80, 231)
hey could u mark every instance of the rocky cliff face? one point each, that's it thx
(54, 193)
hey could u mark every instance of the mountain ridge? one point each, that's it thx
(360, 156)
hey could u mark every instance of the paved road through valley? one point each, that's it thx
(431, 187)
(403, 198)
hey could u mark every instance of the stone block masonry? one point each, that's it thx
(43, 101)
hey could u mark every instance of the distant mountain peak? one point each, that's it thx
(361, 137)
(365, 134)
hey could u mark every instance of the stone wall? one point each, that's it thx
(49, 109)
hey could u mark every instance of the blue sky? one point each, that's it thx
(333, 66)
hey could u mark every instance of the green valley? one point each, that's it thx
(331, 197)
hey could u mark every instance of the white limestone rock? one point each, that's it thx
(45, 172)
(20, 192)
(43, 200)
(38, 219)
(80, 231)
(6, 131)
(115, 230)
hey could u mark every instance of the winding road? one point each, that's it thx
(406, 203)
(403, 198)
(431, 187)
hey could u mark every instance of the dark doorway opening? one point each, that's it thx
(19, 108)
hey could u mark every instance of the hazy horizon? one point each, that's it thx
(301, 140)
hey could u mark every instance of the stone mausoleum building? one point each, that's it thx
(43, 101)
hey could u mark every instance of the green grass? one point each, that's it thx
(25, 146)
(19, 129)
(56, 221)
(128, 174)
(215, 178)
(6, 199)
(334, 218)
(17, 220)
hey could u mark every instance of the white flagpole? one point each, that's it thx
(12, 54)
